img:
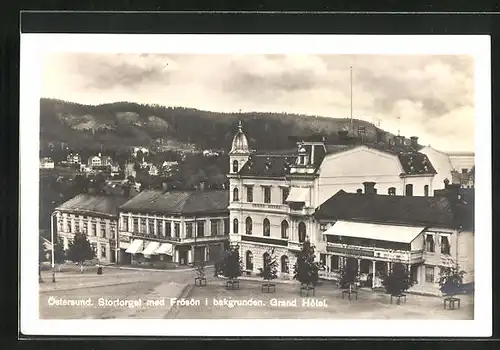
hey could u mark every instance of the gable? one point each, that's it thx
(360, 161)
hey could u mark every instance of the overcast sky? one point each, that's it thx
(433, 95)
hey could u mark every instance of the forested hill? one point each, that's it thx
(127, 124)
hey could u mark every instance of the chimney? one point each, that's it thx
(414, 142)
(369, 187)
(398, 140)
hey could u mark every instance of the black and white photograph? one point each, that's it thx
(222, 185)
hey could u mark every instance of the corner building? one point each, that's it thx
(274, 194)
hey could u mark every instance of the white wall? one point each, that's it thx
(441, 162)
(348, 170)
(460, 162)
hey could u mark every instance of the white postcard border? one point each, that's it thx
(33, 47)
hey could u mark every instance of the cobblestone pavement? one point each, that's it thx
(160, 289)
(369, 305)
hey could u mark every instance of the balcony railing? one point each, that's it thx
(373, 252)
(265, 240)
(204, 238)
(155, 237)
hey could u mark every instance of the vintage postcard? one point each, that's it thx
(213, 185)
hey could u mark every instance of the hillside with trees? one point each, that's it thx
(123, 124)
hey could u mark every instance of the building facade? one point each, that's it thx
(174, 227)
(96, 216)
(273, 195)
(46, 163)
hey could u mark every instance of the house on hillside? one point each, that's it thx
(100, 161)
(74, 158)
(46, 163)
(181, 227)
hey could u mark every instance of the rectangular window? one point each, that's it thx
(334, 262)
(85, 228)
(112, 231)
(168, 229)
(200, 229)
(136, 225)
(249, 194)
(103, 229)
(143, 226)
(103, 251)
(214, 227)
(77, 226)
(429, 274)
(151, 226)
(177, 230)
(159, 228)
(70, 227)
(429, 243)
(322, 227)
(125, 223)
(445, 245)
(94, 248)
(189, 230)
(267, 194)
(285, 192)
(226, 226)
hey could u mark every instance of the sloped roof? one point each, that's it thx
(86, 203)
(429, 211)
(267, 165)
(178, 202)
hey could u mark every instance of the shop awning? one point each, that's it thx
(135, 247)
(151, 248)
(165, 248)
(390, 233)
(298, 195)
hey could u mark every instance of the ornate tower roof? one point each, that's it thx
(240, 142)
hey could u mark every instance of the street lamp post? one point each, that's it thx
(52, 241)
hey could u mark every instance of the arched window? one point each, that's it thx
(235, 195)
(249, 260)
(391, 191)
(302, 232)
(248, 225)
(426, 190)
(235, 166)
(265, 260)
(409, 190)
(266, 228)
(235, 226)
(284, 264)
(284, 229)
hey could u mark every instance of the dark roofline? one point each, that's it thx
(156, 212)
(87, 212)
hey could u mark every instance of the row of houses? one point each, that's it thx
(377, 204)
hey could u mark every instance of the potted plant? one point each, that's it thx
(232, 268)
(269, 271)
(397, 282)
(451, 282)
(306, 270)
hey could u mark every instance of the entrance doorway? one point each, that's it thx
(183, 256)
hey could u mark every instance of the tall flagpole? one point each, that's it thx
(352, 127)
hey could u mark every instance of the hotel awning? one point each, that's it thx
(151, 248)
(165, 248)
(298, 195)
(390, 233)
(135, 247)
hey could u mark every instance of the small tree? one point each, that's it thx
(233, 266)
(348, 274)
(398, 280)
(270, 269)
(59, 252)
(79, 250)
(451, 278)
(306, 270)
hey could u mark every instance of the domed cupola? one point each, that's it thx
(240, 142)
